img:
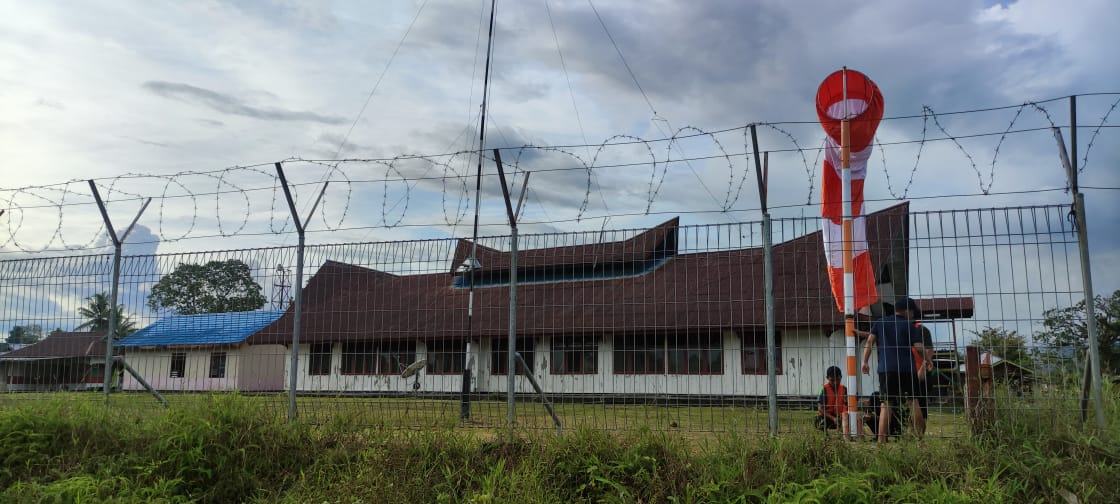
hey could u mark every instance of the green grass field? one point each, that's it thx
(68, 448)
(488, 415)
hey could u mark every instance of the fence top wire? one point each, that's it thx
(191, 204)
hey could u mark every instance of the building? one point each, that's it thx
(634, 317)
(61, 361)
(205, 352)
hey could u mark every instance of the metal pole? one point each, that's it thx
(768, 288)
(1069, 161)
(110, 333)
(511, 404)
(301, 227)
(140, 379)
(511, 367)
(465, 399)
(1090, 309)
(849, 275)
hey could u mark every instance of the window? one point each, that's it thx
(683, 354)
(446, 356)
(178, 365)
(218, 365)
(574, 355)
(754, 353)
(319, 361)
(499, 355)
(376, 357)
(695, 354)
(638, 354)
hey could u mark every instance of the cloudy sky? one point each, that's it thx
(102, 89)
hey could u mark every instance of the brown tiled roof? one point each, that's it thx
(643, 246)
(722, 289)
(59, 345)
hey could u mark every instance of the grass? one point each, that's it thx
(487, 415)
(229, 448)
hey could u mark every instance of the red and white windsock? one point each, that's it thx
(847, 94)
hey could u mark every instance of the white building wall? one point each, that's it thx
(806, 354)
(338, 382)
(261, 368)
(155, 366)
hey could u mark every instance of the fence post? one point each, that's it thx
(761, 174)
(301, 227)
(511, 366)
(1081, 226)
(110, 333)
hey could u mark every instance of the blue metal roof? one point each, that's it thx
(205, 329)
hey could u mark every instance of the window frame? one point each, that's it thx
(755, 343)
(499, 355)
(679, 349)
(223, 356)
(573, 349)
(372, 358)
(315, 364)
(445, 356)
(178, 363)
(625, 355)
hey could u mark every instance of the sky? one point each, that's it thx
(155, 99)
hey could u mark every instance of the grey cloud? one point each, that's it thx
(211, 123)
(231, 105)
(146, 142)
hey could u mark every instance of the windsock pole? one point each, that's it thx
(852, 376)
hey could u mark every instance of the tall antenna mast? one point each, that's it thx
(472, 262)
(281, 289)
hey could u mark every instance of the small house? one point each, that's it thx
(61, 361)
(192, 353)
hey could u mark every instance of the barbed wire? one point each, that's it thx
(236, 190)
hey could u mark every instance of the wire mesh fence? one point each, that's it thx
(661, 328)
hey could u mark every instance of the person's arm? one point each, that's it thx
(867, 353)
(927, 340)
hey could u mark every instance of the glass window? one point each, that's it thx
(754, 353)
(574, 355)
(695, 354)
(319, 360)
(218, 365)
(499, 355)
(638, 354)
(376, 357)
(178, 365)
(446, 356)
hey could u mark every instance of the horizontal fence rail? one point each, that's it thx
(661, 328)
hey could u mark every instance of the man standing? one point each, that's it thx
(895, 336)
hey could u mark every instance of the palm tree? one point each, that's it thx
(96, 314)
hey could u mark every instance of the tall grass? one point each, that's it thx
(226, 449)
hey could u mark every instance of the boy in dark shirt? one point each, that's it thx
(894, 337)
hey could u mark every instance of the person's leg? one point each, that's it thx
(919, 419)
(884, 419)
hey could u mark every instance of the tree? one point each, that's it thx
(96, 313)
(1066, 328)
(25, 334)
(1007, 345)
(214, 287)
